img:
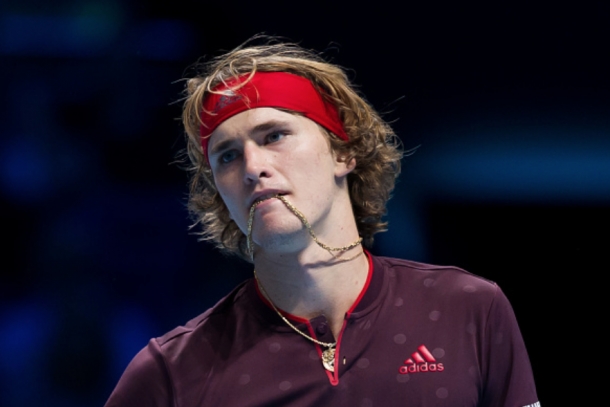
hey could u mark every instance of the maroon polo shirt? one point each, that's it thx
(418, 335)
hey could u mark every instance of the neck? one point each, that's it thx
(314, 282)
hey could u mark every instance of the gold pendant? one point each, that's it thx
(328, 359)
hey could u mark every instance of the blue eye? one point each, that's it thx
(228, 156)
(275, 136)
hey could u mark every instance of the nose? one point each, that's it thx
(256, 163)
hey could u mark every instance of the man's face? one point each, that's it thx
(263, 152)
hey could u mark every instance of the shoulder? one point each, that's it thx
(163, 369)
(434, 276)
(469, 317)
(145, 382)
(204, 323)
(441, 290)
(450, 294)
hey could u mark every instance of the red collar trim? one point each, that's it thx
(366, 284)
(284, 313)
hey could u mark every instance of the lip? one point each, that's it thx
(264, 193)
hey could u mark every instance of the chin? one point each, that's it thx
(280, 238)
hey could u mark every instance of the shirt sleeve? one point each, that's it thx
(145, 382)
(507, 372)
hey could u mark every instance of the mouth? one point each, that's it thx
(304, 221)
(266, 197)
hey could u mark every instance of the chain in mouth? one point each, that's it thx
(304, 221)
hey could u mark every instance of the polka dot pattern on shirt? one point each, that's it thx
(274, 347)
(403, 378)
(400, 339)
(363, 363)
(442, 393)
(285, 385)
(435, 315)
(366, 403)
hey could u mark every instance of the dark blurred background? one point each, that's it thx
(507, 101)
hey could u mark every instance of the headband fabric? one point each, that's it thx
(268, 89)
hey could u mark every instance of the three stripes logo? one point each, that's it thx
(421, 361)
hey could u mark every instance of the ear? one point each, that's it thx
(343, 168)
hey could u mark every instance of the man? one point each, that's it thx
(292, 170)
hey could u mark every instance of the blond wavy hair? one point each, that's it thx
(372, 142)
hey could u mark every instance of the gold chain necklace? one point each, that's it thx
(328, 355)
(305, 223)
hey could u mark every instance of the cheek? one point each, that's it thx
(229, 202)
(228, 196)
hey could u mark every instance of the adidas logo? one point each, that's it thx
(226, 100)
(421, 361)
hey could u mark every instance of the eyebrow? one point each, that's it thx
(260, 128)
(268, 125)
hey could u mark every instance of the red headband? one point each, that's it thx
(268, 89)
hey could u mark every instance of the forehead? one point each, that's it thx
(259, 120)
(248, 120)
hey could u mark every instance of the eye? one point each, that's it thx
(228, 156)
(275, 136)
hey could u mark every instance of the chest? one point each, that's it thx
(402, 362)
